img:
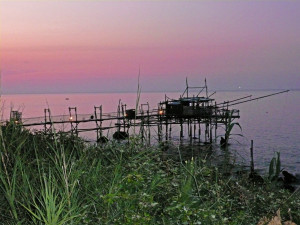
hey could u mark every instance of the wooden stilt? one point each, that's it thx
(216, 121)
(251, 155)
(199, 130)
(194, 129)
(206, 132)
(73, 120)
(181, 130)
(191, 130)
(166, 129)
(47, 121)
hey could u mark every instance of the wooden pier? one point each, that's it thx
(197, 117)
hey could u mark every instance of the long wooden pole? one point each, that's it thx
(265, 96)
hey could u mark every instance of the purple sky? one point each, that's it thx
(95, 46)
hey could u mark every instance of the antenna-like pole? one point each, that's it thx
(206, 88)
(187, 87)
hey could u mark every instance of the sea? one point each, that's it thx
(273, 123)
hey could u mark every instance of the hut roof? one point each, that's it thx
(196, 99)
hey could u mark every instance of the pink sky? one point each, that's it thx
(96, 46)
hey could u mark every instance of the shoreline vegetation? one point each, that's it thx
(60, 179)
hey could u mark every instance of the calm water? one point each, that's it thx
(273, 123)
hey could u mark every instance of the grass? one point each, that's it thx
(61, 180)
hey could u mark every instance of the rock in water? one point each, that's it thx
(120, 135)
(102, 140)
(288, 177)
(223, 142)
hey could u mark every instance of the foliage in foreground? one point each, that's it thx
(60, 180)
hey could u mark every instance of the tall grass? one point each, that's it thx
(61, 180)
(275, 167)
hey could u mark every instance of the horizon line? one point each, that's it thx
(131, 92)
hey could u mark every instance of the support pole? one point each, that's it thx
(142, 125)
(97, 126)
(149, 128)
(159, 122)
(199, 129)
(210, 135)
(166, 129)
(118, 116)
(181, 130)
(216, 122)
(45, 125)
(47, 120)
(124, 117)
(98, 120)
(251, 154)
(188, 126)
(206, 131)
(194, 129)
(191, 130)
(73, 118)
(159, 129)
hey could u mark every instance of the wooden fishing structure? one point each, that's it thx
(197, 117)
